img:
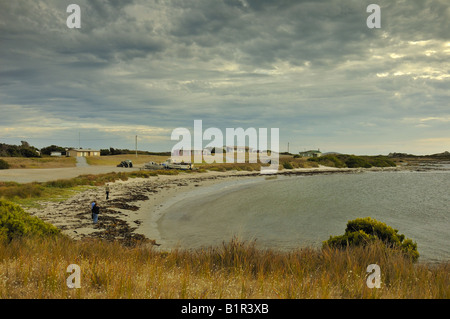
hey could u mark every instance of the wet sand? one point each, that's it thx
(130, 202)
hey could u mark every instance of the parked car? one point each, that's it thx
(126, 163)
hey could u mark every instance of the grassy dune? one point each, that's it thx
(36, 268)
(285, 162)
(29, 193)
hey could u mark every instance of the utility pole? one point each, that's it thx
(79, 139)
(136, 146)
(288, 147)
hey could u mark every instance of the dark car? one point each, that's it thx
(126, 163)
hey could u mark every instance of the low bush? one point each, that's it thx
(353, 161)
(4, 164)
(15, 222)
(381, 161)
(363, 231)
(287, 165)
(328, 160)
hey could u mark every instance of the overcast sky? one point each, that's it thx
(313, 69)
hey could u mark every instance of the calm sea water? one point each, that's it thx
(299, 211)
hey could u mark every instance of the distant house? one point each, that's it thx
(181, 152)
(311, 153)
(83, 152)
(238, 149)
(57, 154)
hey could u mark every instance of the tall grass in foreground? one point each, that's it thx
(36, 268)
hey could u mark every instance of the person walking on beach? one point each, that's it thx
(107, 191)
(90, 207)
(95, 210)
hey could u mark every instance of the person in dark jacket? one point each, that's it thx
(95, 211)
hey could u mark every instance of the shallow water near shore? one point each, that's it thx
(302, 211)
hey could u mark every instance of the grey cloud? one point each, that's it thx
(312, 66)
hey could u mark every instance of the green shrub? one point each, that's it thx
(328, 160)
(61, 183)
(4, 164)
(355, 161)
(287, 165)
(15, 222)
(217, 169)
(362, 231)
(381, 161)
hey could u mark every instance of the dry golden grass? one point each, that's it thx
(40, 162)
(116, 159)
(247, 166)
(37, 269)
(225, 166)
(29, 194)
(297, 162)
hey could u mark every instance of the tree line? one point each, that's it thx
(26, 150)
(23, 150)
(117, 151)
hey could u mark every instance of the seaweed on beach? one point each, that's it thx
(121, 204)
(114, 229)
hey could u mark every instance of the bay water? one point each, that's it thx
(303, 211)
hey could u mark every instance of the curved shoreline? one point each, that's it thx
(133, 209)
(302, 211)
(150, 226)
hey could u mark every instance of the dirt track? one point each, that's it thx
(48, 174)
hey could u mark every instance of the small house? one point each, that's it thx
(239, 149)
(311, 153)
(83, 152)
(56, 154)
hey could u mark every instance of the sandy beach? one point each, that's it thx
(138, 199)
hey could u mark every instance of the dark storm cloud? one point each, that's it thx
(263, 32)
(311, 67)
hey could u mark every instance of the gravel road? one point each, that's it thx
(48, 174)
